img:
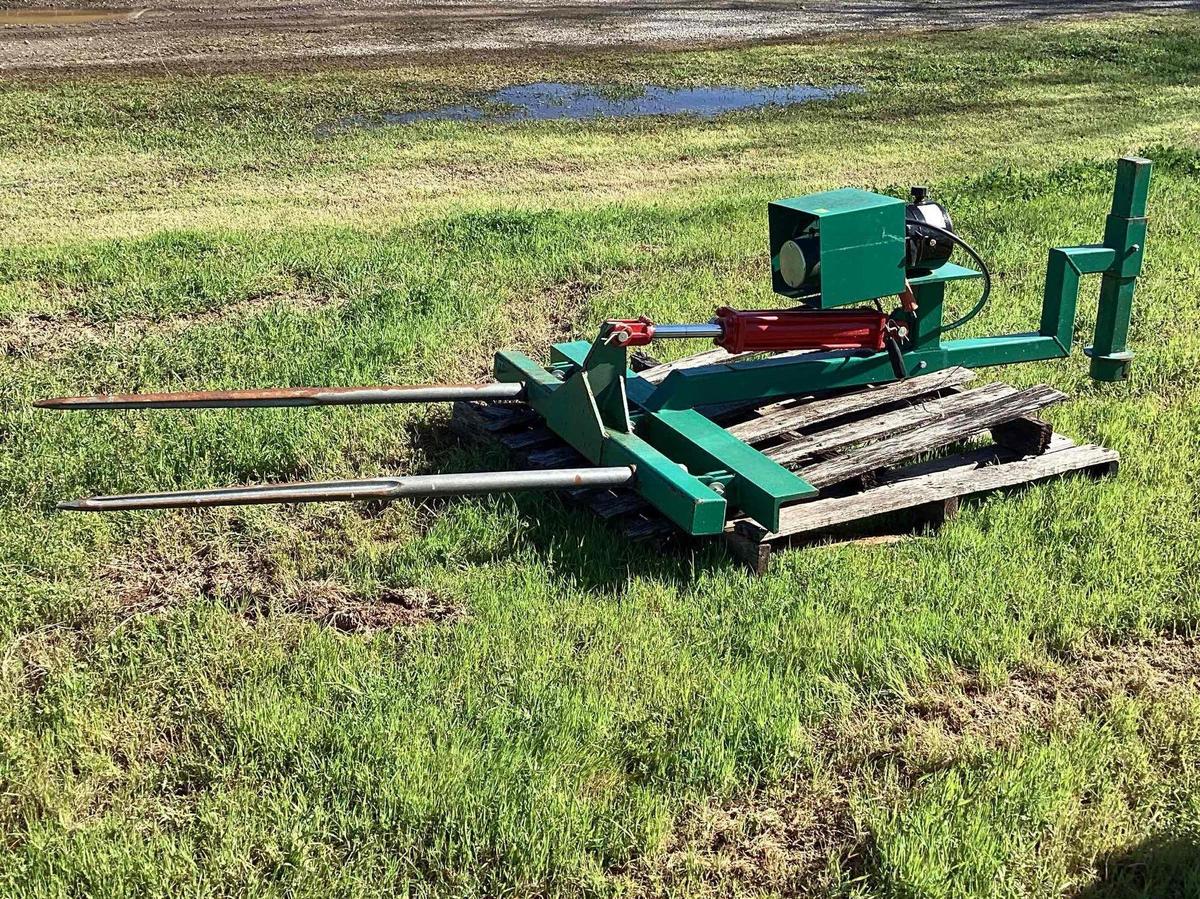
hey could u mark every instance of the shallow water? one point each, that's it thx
(552, 100)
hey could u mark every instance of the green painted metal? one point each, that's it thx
(1063, 270)
(1125, 235)
(758, 486)
(925, 327)
(510, 366)
(950, 271)
(856, 239)
(681, 497)
(572, 409)
(755, 484)
(688, 467)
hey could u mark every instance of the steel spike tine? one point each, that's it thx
(344, 491)
(367, 489)
(289, 396)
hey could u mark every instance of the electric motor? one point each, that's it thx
(925, 249)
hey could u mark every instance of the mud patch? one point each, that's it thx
(43, 337)
(778, 842)
(58, 16)
(332, 604)
(790, 839)
(155, 577)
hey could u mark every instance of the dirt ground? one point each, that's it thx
(253, 34)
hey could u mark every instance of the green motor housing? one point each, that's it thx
(838, 247)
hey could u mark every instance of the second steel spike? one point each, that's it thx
(359, 490)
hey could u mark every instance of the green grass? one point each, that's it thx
(594, 696)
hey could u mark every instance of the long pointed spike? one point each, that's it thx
(350, 491)
(288, 396)
(344, 491)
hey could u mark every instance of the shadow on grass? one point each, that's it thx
(567, 535)
(1162, 867)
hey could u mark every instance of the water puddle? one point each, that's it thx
(45, 15)
(546, 101)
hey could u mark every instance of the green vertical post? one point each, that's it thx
(927, 329)
(1125, 234)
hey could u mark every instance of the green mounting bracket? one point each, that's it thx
(592, 411)
(597, 410)
(690, 469)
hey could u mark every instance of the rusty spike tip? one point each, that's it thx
(288, 396)
(78, 505)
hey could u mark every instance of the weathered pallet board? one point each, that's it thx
(856, 445)
(958, 476)
(886, 424)
(932, 491)
(795, 415)
(929, 437)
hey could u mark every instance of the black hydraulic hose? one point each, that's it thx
(983, 270)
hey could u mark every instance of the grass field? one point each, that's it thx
(518, 703)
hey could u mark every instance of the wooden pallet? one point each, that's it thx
(858, 446)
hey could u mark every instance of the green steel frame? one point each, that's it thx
(690, 469)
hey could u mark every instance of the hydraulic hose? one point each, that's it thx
(983, 270)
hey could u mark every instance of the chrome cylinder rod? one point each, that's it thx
(368, 489)
(710, 330)
(289, 396)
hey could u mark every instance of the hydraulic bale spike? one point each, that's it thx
(828, 251)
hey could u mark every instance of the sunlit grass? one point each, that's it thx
(201, 232)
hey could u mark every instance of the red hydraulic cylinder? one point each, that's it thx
(629, 331)
(773, 330)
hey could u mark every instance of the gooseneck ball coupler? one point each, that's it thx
(865, 277)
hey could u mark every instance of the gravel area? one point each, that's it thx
(254, 34)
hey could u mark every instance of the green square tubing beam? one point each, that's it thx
(1125, 235)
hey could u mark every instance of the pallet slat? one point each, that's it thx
(927, 438)
(528, 439)
(614, 503)
(963, 476)
(560, 456)
(887, 424)
(795, 415)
